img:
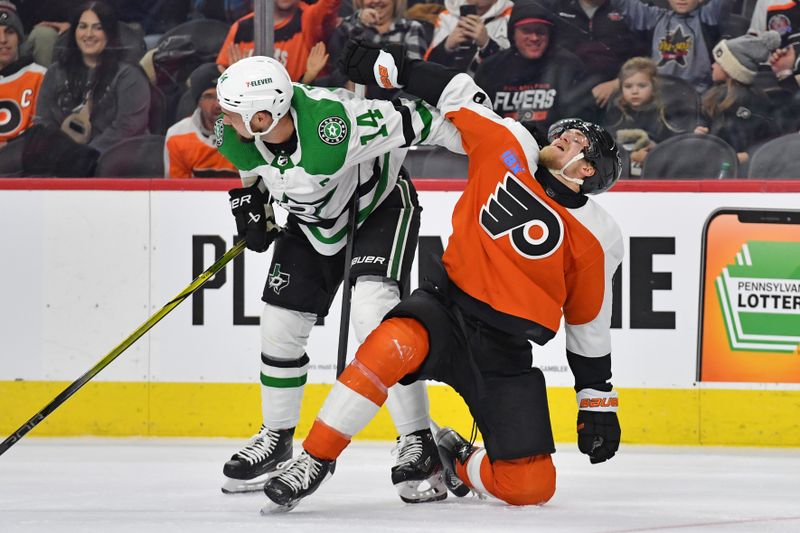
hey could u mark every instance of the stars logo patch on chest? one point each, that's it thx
(332, 130)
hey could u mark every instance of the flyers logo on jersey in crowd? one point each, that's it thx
(18, 92)
(10, 116)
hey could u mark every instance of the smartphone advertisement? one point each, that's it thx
(750, 297)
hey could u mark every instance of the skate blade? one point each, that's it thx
(245, 486)
(455, 485)
(275, 508)
(432, 489)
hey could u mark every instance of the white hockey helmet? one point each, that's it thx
(254, 84)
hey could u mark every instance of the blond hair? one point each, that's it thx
(646, 66)
(400, 7)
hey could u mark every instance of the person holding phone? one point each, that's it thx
(468, 32)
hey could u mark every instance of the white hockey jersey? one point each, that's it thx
(342, 142)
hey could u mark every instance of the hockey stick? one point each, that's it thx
(352, 220)
(121, 347)
(344, 322)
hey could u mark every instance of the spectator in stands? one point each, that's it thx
(785, 63)
(298, 27)
(190, 148)
(378, 22)
(20, 77)
(601, 37)
(782, 16)
(733, 108)
(317, 60)
(535, 81)
(89, 93)
(682, 36)
(468, 32)
(637, 117)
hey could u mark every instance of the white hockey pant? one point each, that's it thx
(373, 297)
(284, 363)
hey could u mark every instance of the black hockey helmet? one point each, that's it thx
(602, 153)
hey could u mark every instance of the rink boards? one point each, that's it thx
(86, 261)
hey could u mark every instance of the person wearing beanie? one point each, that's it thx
(740, 57)
(534, 80)
(20, 77)
(10, 19)
(190, 147)
(733, 108)
(468, 32)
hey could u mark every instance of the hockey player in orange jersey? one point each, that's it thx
(528, 247)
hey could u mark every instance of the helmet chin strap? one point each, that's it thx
(562, 171)
(247, 117)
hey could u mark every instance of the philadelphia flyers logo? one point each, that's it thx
(10, 116)
(535, 230)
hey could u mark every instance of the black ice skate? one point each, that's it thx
(418, 475)
(298, 478)
(453, 447)
(250, 467)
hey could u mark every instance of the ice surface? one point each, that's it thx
(166, 485)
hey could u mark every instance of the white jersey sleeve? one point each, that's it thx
(380, 126)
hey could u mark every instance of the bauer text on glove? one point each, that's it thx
(255, 219)
(598, 425)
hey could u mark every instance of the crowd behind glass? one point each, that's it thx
(689, 88)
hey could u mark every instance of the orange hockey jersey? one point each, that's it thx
(19, 88)
(294, 37)
(189, 152)
(516, 249)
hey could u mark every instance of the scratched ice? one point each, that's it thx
(166, 485)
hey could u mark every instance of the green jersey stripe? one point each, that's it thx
(402, 231)
(283, 383)
(363, 213)
(427, 120)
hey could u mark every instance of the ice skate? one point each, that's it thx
(453, 447)
(298, 478)
(250, 467)
(418, 475)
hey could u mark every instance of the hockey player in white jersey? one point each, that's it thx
(309, 150)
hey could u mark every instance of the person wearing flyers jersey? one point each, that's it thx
(298, 27)
(528, 247)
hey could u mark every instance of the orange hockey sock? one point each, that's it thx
(526, 481)
(394, 349)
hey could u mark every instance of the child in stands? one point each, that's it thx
(637, 117)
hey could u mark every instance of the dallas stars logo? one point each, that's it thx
(277, 279)
(675, 47)
(332, 130)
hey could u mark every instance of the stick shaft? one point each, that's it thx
(121, 347)
(344, 322)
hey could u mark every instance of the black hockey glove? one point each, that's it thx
(598, 425)
(255, 219)
(368, 64)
